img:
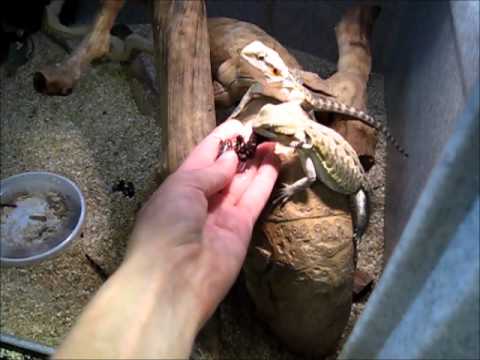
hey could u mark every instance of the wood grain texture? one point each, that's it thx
(182, 59)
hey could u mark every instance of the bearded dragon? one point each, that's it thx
(324, 154)
(274, 79)
(227, 37)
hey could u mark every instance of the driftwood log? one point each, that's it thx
(349, 83)
(182, 55)
(299, 269)
(185, 109)
(59, 79)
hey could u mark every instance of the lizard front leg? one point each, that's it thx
(221, 95)
(288, 190)
(252, 92)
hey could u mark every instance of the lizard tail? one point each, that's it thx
(391, 139)
(369, 120)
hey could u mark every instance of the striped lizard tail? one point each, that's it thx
(337, 107)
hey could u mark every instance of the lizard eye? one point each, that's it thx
(276, 72)
(261, 57)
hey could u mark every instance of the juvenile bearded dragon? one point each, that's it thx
(274, 79)
(324, 154)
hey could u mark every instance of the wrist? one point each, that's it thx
(139, 312)
(180, 280)
(183, 269)
(168, 310)
(168, 284)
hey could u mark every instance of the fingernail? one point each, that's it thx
(228, 155)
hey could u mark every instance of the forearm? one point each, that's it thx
(140, 312)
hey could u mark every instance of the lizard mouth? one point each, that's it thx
(271, 135)
(265, 133)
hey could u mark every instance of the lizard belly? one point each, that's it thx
(335, 172)
(281, 94)
(325, 175)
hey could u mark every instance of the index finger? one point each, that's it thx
(255, 197)
(205, 153)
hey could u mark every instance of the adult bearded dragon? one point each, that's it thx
(227, 37)
(324, 154)
(274, 79)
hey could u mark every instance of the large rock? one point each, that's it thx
(299, 267)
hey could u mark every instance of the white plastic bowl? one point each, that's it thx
(32, 193)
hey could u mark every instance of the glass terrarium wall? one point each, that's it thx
(430, 68)
(430, 284)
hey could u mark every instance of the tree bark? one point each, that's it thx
(182, 59)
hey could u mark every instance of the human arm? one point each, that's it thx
(186, 250)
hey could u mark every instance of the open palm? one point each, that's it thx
(204, 213)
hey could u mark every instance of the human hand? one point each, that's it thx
(187, 247)
(198, 223)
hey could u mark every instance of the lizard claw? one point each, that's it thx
(300, 144)
(284, 194)
(297, 144)
(238, 109)
(280, 200)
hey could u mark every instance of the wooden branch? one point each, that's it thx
(182, 58)
(60, 79)
(349, 83)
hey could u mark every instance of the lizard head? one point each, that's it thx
(265, 63)
(279, 123)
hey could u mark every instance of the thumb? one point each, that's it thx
(217, 176)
